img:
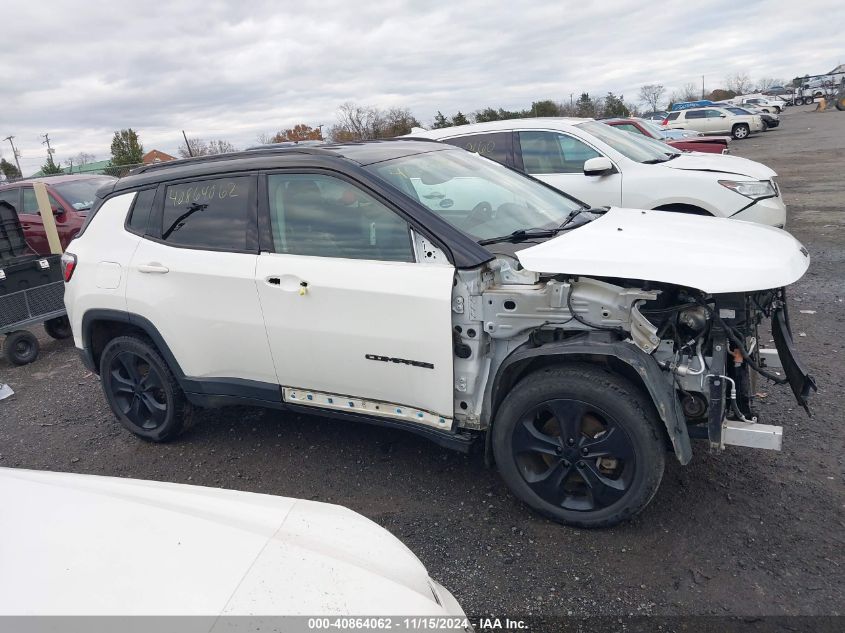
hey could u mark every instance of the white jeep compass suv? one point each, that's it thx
(412, 284)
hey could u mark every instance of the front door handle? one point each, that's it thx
(153, 267)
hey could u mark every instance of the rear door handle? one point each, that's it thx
(153, 267)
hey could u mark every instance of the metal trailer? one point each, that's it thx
(31, 292)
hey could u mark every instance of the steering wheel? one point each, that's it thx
(481, 212)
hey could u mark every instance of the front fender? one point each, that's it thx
(596, 346)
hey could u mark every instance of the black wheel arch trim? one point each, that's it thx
(235, 387)
(602, 345)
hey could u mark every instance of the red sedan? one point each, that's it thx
(71, 197)
(676, 138)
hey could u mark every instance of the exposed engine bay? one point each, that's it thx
(709, 348)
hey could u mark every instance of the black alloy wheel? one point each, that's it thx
(580, 445)
(142, 391)
(574, 455)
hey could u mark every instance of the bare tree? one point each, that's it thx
(651, 95)
(767, 82)
(355, 123)
(739, 82)
(220, 146)
(690, 92)
(195, 147)
(265, 138)
(83, 158)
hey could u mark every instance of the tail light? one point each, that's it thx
(68, 266)
(665, 121)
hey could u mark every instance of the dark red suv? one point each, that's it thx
(71, 198)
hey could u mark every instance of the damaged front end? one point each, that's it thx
(712, 347)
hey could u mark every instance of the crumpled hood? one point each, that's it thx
(87, 545)
(723, 163)
(715, 255)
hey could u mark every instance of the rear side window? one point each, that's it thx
(211, 214)
(672, 116)
(139, 214)
(30, 204)
(695, 114)
(498, 146)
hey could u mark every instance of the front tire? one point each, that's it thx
(142, 391)
(740, 131)
(580, 445)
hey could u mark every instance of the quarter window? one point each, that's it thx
(553, 153)
(324, 216)
(672, 116)
(212, 214)
(140, 213)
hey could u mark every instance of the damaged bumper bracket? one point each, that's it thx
(801, 382)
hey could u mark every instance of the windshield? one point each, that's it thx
(476, 195)
(80, 194)
(636, 147)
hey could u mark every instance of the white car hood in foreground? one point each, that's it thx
(722, 163)
(715, 255)
(86, 545)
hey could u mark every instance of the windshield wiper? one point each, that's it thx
(522, 235)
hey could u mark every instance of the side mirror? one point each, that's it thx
(58, 211)
(722, 116)
(598, 166)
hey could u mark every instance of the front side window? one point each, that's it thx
(212, 214)
(324, 216)
(497, 146)
(477, 196)
(713, 114)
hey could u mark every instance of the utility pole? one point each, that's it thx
(702, 87)
(46, 142)
(15, 152)
(320, 127)
(187, 144)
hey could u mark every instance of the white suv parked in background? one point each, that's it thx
(604, 166)
(715, 120)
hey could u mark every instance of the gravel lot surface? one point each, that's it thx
(743, 532)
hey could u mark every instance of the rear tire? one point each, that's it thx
(580, 445)
(58, 328)
(142, 391)
(740, 131)
(21, 347)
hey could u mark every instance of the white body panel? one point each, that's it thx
(690, 179)
(715, 125)
(99, 280)
(206, 308)
(86, 545)
(714, 255)
(351, 308)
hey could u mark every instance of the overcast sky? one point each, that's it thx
(231, 70)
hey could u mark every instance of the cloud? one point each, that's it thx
(233, 69)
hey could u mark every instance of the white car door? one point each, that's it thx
(353, 321)
(558, 158)
(717, 121)
(193, 276)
